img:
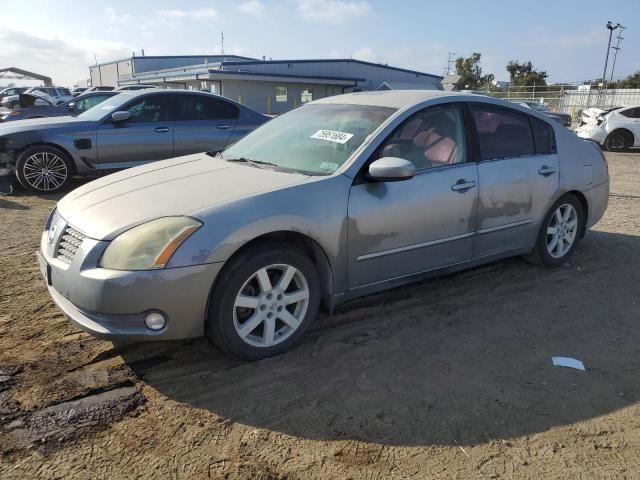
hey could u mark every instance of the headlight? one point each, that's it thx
(150, 245)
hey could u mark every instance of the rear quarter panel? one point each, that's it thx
(582, 169)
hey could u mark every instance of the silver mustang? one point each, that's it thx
(336, 199)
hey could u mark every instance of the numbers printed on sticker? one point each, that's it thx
(332, 136)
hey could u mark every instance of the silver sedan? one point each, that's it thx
(339, 198)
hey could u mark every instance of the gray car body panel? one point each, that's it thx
(369, 241)
(116, 147)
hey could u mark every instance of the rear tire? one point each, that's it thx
(619, 141)
(263, 302)
(44, 169)
(560, 232)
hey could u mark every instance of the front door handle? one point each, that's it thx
(162, 129)
(223, 127)
(463, 185)
(546, 171)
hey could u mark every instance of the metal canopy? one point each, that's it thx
(19, 74)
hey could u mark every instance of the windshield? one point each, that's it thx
(314, 139)
(105, 108)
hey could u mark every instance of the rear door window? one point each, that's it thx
(543, 137)
(502, 133)
(204, 107)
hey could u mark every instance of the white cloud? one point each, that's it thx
(333, 12)
(252, 7)
(199, 14)
(66, 60)
(113, 16)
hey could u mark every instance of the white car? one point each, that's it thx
(57, 95)
(616, 129)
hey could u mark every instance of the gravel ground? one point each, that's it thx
(448, 378)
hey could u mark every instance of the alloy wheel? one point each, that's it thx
(562, 230)
(271, 305)
(45, 171)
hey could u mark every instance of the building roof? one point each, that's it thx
(158, 57)
(331, 60)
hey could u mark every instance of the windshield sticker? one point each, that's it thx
(108, 107)
(332, 136)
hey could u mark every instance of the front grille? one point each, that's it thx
(69, 244)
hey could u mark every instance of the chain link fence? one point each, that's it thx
(569, 99)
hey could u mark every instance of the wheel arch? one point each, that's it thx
(74, 168)
(301, 241)
(585, 209)
(623, 130)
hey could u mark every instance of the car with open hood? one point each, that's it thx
(39, 105)
(338, 198)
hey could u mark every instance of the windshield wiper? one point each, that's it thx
(255, 163)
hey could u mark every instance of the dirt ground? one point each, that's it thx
(448, 378)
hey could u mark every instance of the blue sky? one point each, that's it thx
(565, 38)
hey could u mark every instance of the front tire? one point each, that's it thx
(43, 169)
(263, 302)
(560, 232)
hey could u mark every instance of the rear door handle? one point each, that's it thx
(462, 185)
(546, 171)
(223, 127)
(162, 129)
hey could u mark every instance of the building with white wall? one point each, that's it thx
(268, 86)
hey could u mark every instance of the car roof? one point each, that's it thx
(390, 98)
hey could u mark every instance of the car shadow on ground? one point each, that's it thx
(458, 360)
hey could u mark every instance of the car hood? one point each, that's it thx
(27, 100)
(41, 124)
(104, 208)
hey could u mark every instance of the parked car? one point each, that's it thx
(39, 105)
(78, 90)
(129, 129)
(338, 198)
(57, 94)
(7, 92)
(616, 129)
(563, 119)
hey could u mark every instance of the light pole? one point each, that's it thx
(611, 28)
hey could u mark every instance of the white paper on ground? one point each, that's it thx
(567, 362)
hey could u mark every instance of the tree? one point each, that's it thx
(470, 72)
(632, 81)
(524, 75)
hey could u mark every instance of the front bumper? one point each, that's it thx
(592, 132)
(113, 304)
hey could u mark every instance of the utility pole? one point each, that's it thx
(221, 43)
(450, 61)
(619, 38)
(611, 27)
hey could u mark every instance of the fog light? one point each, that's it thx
(155, 321)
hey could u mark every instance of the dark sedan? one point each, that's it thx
(129, 129)
(33, 106)
(563, 119)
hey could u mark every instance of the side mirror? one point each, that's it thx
(117, 117)
(71, 106)
(391, 169)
